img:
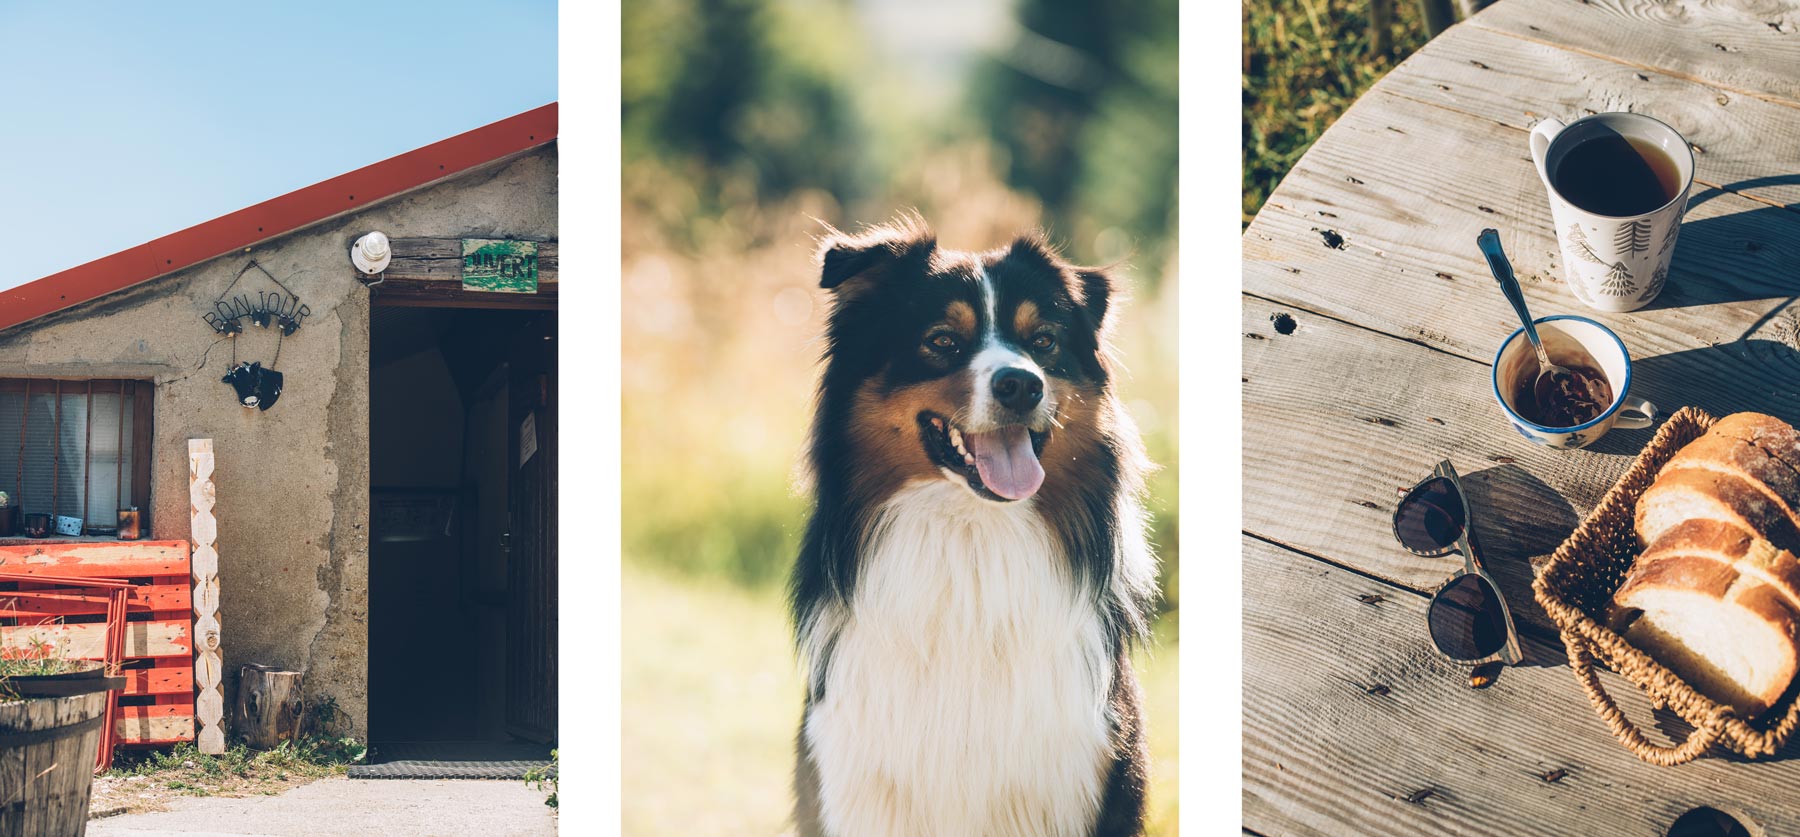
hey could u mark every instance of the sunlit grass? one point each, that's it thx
(1305, 62)
(712, 700)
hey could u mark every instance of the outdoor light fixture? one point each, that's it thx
(371, 253)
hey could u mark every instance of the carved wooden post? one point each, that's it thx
(209, 706)
(268, 706)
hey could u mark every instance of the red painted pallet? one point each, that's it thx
(157, 704)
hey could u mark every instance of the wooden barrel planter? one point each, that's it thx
(49, 738)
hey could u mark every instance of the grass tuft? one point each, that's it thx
(183, 766)
(1305, 62)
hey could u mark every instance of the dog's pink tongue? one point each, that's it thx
(1007, 464)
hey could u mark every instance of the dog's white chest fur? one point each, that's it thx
(967, 683)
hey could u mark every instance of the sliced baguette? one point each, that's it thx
(1723, 454)
(1738, 649)
(1693, 549)
(1775, 437)
(1718, 607)
(1689, 494)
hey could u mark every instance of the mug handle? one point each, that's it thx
(1646, 414)
(1541, 136)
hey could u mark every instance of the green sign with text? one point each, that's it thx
(499, 266)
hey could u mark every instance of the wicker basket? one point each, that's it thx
(1576, 588)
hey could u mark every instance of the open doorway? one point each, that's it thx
(462, 547)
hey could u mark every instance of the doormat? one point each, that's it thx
(452, 760)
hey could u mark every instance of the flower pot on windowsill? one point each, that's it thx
(55, 720)
(9, 520)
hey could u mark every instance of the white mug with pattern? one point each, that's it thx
(1613, 263)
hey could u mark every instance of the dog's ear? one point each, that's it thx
(874, 252)
(1097, 289)
(1093, 287)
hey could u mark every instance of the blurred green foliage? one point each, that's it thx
(1084, 104)
(719, 87)
(1305, 62)
(745, 120)
(765, 97)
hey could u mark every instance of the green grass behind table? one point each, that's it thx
(712, 699)
(1304, 63)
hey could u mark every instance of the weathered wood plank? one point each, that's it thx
(414, 293)
(1407, 265)
(1353, 725)
(1339, 418)
(102, 559)
(143, 729)
(1748, 45)
(162, 638)
(440, 260)
(158, 710)
(12, 775)
(85, 601)
(162, 680)
(204, 530)
(1743, 143)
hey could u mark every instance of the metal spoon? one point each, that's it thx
(1550, 377)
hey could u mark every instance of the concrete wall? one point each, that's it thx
(293, 482)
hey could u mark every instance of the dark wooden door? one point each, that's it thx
(531, 562)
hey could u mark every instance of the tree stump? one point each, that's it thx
(268, 706)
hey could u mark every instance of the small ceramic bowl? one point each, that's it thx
(1562, 336)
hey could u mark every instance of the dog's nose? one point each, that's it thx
(1018, 389)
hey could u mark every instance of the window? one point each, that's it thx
(75, 448)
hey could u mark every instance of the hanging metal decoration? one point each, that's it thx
(282, 307)
(256, 386)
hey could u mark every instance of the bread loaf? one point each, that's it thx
(1719, 608)
(1774, 436)
(1721, 544)
(1715, 596)
(1681, 495)
(1731, 456)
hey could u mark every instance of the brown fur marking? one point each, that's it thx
(961, 316)
(884, 427)
(1026, 319)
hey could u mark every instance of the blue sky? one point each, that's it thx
(128, 121)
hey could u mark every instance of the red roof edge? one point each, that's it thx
(277, 216)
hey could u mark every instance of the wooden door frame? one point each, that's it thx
(426, 273)
(409, 296)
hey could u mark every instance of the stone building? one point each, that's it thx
(384, 442)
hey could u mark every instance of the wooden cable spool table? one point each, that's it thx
(1369, 323)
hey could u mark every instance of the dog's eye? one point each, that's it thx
(1044, 341)
(941, 341)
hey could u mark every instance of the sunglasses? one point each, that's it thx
(1468, 617)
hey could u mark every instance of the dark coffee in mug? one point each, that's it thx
(1617, 176)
